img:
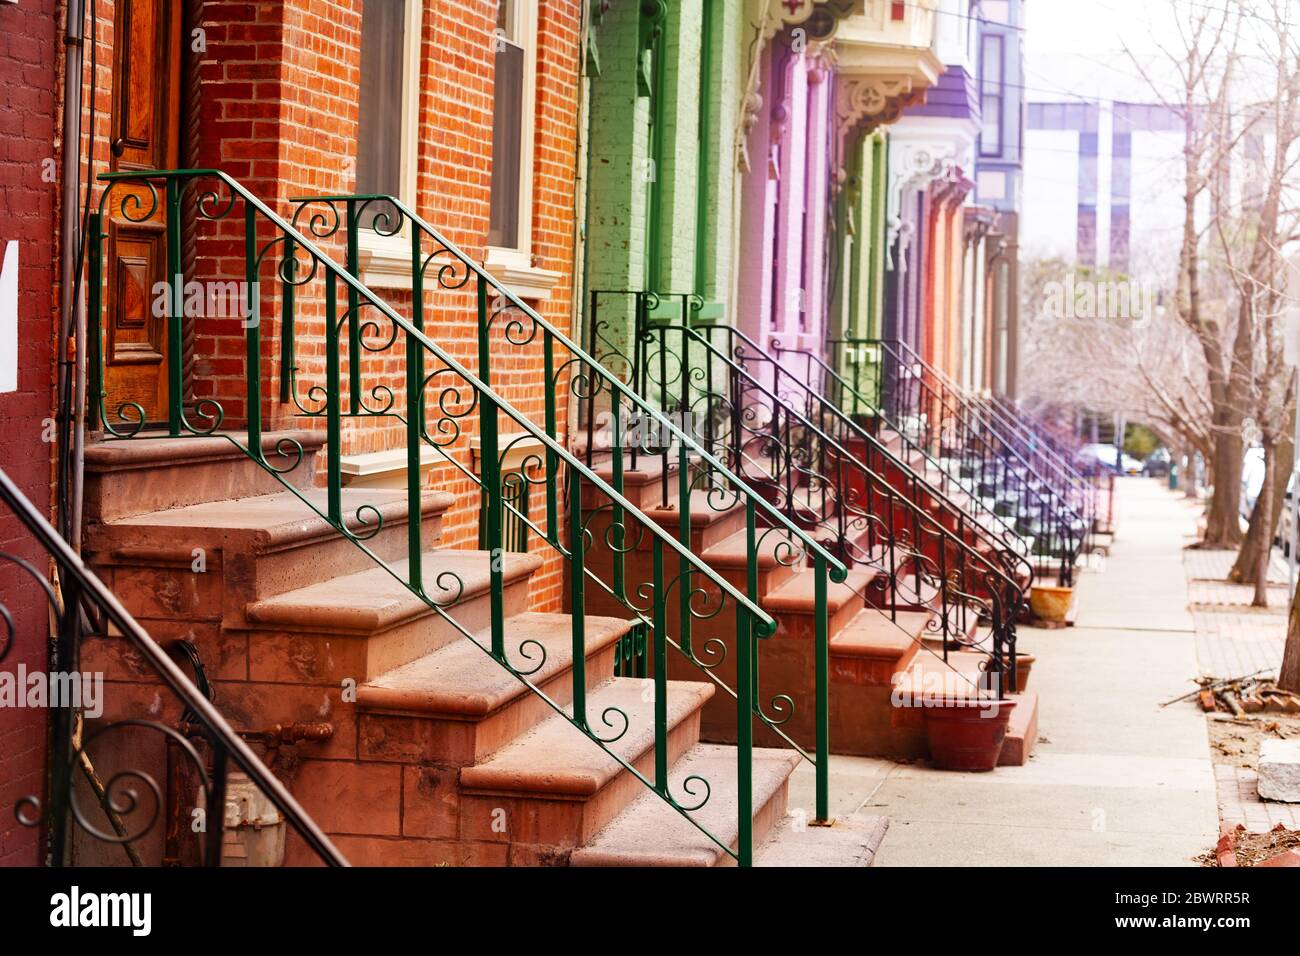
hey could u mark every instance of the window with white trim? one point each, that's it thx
(991, 92)
(510, 220)
(388, 131)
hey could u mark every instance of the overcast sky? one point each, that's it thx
(1075, 48)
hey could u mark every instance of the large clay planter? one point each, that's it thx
(1050, 603)
(963, 737)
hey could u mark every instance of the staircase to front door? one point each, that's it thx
(468, 723)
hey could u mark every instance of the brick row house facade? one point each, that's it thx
(28, 211)
(463, 410)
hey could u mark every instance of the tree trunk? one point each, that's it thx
(1288, 677)
(1223, 523)
(1243, 569)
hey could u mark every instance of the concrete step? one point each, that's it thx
(470, 705)
(141, 475)
(371, 622)
(211, 559)
(849, 842)
(651, 833)
(570, 786)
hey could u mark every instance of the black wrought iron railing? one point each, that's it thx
(793, 446)
(856, 406)
(1030, 439)
(131, 799)
(945, 429)
(1031, 442)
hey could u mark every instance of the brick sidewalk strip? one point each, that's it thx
(1238, 642)
(1210, 594)
(1215, 565)
(1232, 640)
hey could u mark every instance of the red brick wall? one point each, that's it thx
(278, 95)
(29, 59)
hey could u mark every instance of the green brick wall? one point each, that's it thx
(728, 61)
(620, 158)
(681, 149)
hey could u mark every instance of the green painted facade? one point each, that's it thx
(862, 213)
(661, 162)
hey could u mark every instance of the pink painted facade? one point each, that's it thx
(786, 214)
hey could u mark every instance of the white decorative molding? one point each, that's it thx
(883, 66)
(517, 273)
(819, 18)
(385, 469)
(520, 449)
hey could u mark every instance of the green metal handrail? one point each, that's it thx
(824, 563)
(751, 621)
(837, 568)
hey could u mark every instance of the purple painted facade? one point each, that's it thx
(786, 220)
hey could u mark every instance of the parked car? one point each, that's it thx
(1108, 456)
(1157, 464)
(1287, 537)
(1252, 482)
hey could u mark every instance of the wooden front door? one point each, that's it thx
(144, 134)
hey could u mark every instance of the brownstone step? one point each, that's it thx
(464, 705)
(557, 787)
(651, 833)
(875, 645)
(795, 600)
(643, 485)
(369, 622)
(711, 521)
(1022, 731)
(779, 554)
(141, 475)
(249, 548)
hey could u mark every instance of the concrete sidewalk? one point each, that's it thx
(1116, 780)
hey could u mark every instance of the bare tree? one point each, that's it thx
(1252, 245)
(1148, 368)
(1203, 62)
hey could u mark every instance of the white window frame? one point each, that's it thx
(385, 261)
(513, 266)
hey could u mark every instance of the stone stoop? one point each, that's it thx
(1022, 731)
(872, 639)
(438, 754)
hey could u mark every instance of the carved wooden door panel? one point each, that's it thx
(144, 134)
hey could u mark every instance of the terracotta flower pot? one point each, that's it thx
(966, 737)
(1024, 664)
(1050, 603)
